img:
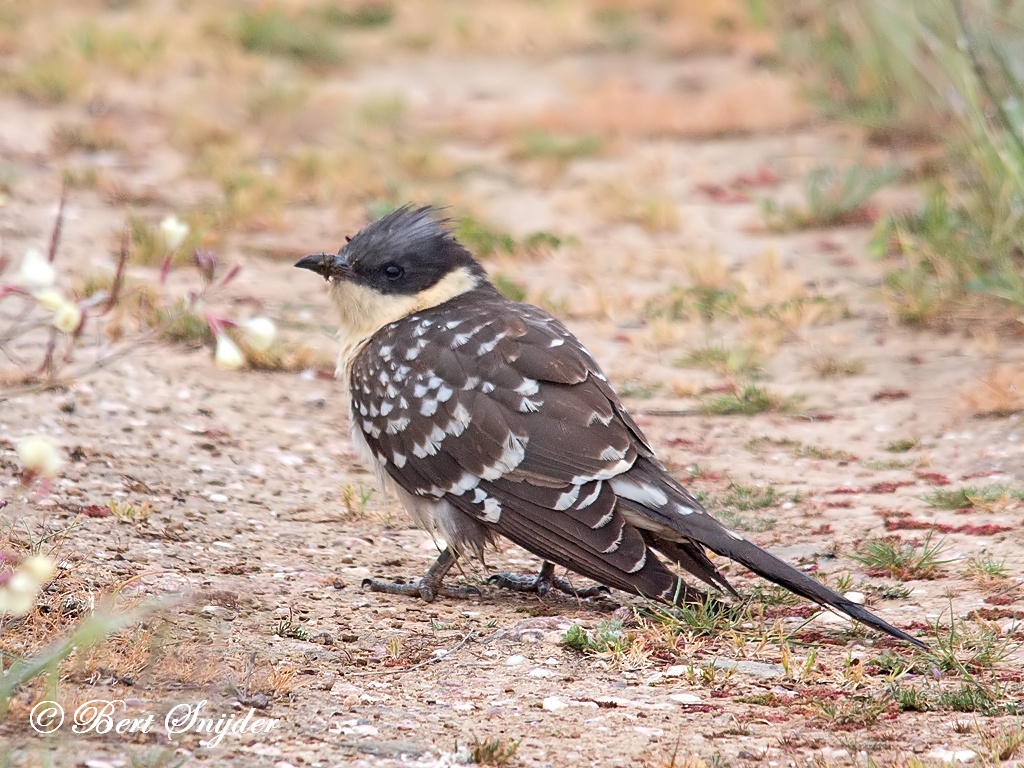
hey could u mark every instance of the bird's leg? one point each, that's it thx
(543, 582)
(430, 586)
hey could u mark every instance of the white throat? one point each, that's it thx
(364, 311)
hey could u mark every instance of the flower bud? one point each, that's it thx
(18, 595)
(38, 567)
(228, 356)
(35, 270)
(39, 454)
(67, 317)
(174, 231)
(49, 298)
(259, 332)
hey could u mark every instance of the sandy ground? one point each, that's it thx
(246, 475)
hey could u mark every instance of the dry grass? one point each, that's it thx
(1000, 392)
(616, 109)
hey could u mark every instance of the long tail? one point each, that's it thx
(705, 530)
(676, 524)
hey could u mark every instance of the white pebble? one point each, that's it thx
(678, 670)
(953, 756)
(553, 704)
(684, 698)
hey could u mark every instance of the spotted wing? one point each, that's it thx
(498, 408)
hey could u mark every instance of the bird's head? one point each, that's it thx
(403, 263)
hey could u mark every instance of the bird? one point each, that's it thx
(487, 418)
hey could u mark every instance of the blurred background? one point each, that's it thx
(790, 231)
(275, 128)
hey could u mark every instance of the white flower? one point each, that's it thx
(18, 595)
(35, 270)
(39, 454)
(67, 317)
(174, 231)
(38, 567)
(228, 356)
(260, 332)
(50, 298)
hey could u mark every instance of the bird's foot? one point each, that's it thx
(543, 583)
(427, 589)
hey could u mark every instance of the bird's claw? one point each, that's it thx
(519, 582)
(422, 588)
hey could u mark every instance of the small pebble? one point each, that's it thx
(684, 698)
(953, 756)
(553, 704)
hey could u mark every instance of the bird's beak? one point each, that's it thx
(327, 265)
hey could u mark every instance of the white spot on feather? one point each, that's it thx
(488, 346)
(611, 453)
(467, 482)
(566, 499)
(492, 510)
(681, 509)
(605, 474)
(641, 493)
(459, 421)
(511, 457)
(428, 407)
(394, 426)
(587, 501)
(527, 388)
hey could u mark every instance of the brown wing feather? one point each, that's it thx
(517, 419)
(500, 410)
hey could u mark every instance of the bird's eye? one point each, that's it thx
(393, 271)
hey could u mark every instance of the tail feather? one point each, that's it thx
(705, 530)
(692, 559)
(674, 522)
